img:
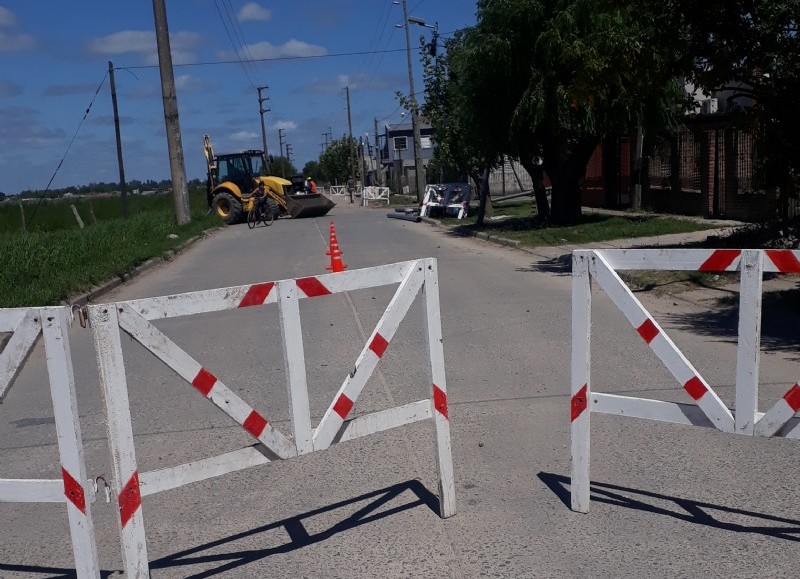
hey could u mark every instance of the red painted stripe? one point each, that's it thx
(579, 403)
(379, 345)
(73, 490)
(648, 330)
(255, 424)
(792, 397)
(440, 401)
(204, 381)
(720, 260)
(695, 388)
(257, 294)
(130, 499)
(343, 406)
(312, 287)
(784, 260)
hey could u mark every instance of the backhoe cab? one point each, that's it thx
(232, 178)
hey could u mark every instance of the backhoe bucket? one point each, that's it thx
(314, 205)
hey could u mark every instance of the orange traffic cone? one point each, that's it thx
(336, 254)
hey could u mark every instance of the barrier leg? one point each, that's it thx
(55, 327)
(581, 383)
(105, 327)
(444, 457)
(748, 350)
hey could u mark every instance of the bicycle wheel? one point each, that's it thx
(252, 218)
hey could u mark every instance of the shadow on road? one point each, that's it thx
(678, 508)
(373, 511)
(50, 572)
(561, 265)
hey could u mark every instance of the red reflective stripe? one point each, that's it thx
(440, 401)
(204, 381)
(784, 260)
(257, 294)
(312, 287)
(648, 330)
(578, 403)
(74, 491)
(130, 499)
(720, 260)
(379, 345)
(343, 406)
(695, 388)
(792, 398)
(255, 424)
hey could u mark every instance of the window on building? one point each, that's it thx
(426, 142)
(400, 144)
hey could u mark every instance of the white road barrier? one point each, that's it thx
(73, 488)
(708, 410)
(372, 193)
(133, 318)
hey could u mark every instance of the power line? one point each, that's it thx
(64, 156)
(272, 59)
(233, 45)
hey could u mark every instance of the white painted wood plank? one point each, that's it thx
(199, 302)
(580, 382)
(663, 259)
(385, 420)
(676, 413)
(173, 477)
(32, 491)
(748, 351)
(18, 347)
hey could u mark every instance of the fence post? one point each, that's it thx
(581, 380)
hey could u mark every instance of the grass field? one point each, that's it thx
(56, 259)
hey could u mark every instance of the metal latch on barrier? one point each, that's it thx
(106, 487)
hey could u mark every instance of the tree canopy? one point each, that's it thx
(334, 163)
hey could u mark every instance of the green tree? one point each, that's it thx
(282, 167)
(334, 163)
(312, 169)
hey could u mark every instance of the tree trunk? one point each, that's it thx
(483, 193)
(536, 172)
(566, 196)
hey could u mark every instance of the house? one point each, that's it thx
(397, 154)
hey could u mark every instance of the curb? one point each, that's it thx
(102, 289)
(496, 239)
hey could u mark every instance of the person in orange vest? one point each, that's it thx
(311, 186)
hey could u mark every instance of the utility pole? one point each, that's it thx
(325, 144)
(261, 111)
(350, 130)
(418, 167)
(378, 164)
(361, 161)
(289, 151)
(180, 192)
(281, 133)
(122, 185)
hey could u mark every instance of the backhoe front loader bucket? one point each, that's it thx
(302, 206)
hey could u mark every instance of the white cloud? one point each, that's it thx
(252, 12)
(16, 42)
(144, 42)
(243, 136)
(266, 50)
(7, 17)
(285, 125)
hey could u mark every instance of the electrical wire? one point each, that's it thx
(233, 45)
(69, 146)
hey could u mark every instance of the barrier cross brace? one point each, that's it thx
(708, 410)
(133, 318)
(73, 489)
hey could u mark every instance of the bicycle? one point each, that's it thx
(266, 215)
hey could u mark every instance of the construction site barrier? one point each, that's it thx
(342, 190)
(134, 317)
(708, 409)
(372, 193)
(73, 488)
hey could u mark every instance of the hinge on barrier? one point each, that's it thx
(106, 488)
(83, 314)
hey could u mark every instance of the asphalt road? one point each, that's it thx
(667, 501)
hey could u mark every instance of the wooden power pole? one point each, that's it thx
(122, 185)
(180, 192)
(350, 142)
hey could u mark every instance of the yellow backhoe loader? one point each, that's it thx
(233, 177)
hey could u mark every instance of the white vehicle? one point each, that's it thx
(446, 200)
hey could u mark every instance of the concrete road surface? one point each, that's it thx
(667, 501)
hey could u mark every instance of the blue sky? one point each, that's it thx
(54, 55)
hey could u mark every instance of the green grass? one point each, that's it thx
(403, 200)
(519, 226)
(56, 259)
